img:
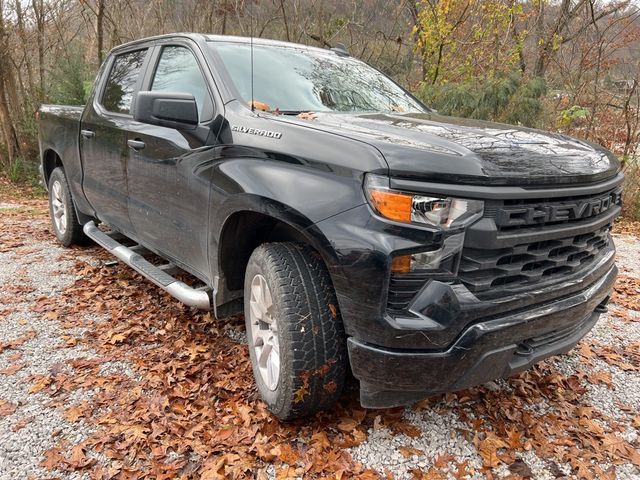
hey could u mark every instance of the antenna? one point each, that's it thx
(341, 50)
(253, 106)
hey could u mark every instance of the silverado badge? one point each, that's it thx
(256, 131)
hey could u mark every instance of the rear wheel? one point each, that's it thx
(64, 219)
(295, 333)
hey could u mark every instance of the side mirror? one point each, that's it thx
(167, 109)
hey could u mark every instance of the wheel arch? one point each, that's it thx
(244, 229)
(50, 161)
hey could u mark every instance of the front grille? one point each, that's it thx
(524, 242)
(527, 263)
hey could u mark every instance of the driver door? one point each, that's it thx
(169, 170)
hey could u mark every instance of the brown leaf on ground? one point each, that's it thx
(53, 458)
(520, 468)
(601, 376)
(408, 452)
(12, 369)
(488, 449)
(78, 459)
(15, 357)
(431, 474)
(20, 424)
(18, 341)
(627, 227)
(74, 413)
(41, 383)
(7, 408)
(443, 460)
(627, 292)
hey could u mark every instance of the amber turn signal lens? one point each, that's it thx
(394, 206)
(401, 264)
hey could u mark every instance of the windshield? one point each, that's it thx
(293, 80)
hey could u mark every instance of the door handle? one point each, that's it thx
(136, 144)
(87, 133)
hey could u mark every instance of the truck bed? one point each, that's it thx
(60, 132)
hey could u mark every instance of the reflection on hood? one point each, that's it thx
(474, 151)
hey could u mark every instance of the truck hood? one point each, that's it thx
(442, 148)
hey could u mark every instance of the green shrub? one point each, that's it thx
(572, 115)
(66, 83)
(507, 98)
(24, 171)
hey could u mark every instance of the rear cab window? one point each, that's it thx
(117, 96)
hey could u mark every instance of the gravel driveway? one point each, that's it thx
(102, 376)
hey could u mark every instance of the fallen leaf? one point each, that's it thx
(408, 452)
(20, 424)
(519, 467)
(7, 408)
(73, 414)
(12, 369)
(488, 449)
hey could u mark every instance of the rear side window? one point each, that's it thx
(118, 92)
(178, 71)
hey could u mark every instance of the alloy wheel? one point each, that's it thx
(264, 332)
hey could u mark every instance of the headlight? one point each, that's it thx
(442, 212)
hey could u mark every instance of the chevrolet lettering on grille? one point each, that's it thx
(560, 212)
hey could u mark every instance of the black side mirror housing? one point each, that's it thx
(167, 109)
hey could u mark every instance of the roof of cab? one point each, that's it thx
(215, 38)
(260, 41)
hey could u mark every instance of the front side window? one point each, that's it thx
(292, 80)
(121, 83)
(178, 71)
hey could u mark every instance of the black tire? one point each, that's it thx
(68, 231)
(312, 342)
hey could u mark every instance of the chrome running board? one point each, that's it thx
(194, 297)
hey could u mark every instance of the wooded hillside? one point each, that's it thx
(564, 65)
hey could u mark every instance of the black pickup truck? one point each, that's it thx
(358, 229)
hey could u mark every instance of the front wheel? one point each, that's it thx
(64, 219)
(296, 338)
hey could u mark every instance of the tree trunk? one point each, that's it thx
(284, 19)
(23, 38)
(540, 64)
(38, 11)
(100, 30)
(7, 91)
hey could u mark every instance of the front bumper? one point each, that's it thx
(493, 348)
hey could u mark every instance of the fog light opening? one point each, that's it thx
(444, 260)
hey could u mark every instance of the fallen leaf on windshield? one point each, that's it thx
(258, 105)
(307, 116)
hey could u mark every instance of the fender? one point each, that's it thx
(276, 210)
(319, 176)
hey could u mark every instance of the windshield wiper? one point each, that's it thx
(291, 112)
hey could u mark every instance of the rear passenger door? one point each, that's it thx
(104, 128)
(169, 170)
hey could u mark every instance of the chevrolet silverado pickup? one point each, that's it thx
(360, 231)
